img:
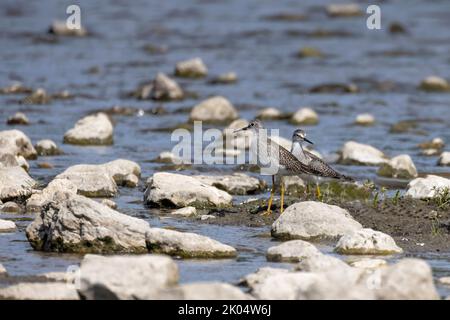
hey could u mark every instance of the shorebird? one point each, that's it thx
(270, 153)
(316, 166)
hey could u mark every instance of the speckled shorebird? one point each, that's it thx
(316, 166)
(270, 153)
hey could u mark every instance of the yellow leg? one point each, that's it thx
(282, 196)
(318, 191)
(272, 191)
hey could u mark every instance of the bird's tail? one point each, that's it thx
(347, 178)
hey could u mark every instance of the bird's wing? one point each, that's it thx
(288, 160)
(321, 168)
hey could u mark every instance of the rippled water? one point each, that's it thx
(228, 36)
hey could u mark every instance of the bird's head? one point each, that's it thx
(299, 135)
(255, 125)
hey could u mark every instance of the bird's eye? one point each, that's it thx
(252, 124)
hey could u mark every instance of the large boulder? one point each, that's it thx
(401, 167)
(367, 241)
(74, 223)
(39, 291)
(310, 220)
(126, 277)
(427, 187)
(186, 245)
(444, 159)
(15, 142)
(15, 183)
(237, 183)
(305, 116)
(176, 190)
(39, 199)
(95, 129)
(361, 154)
(292, 251)
(192, 68)
(215, 109)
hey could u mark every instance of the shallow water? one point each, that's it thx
(228, 36)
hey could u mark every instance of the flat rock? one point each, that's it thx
(47, 147)
(215, 109)
(15, 183)
(15, 142)
(185, 212)
(368, 263)
(192, 68)
(309, 220)
(291, 251)
(74, 223)
(236, 183)
(368, 242)
(427, 187)
(354, 153)
(305, 116)
(140, 276)
(176, 190)
(7, 226)
(204, 291)
(186, 245)
(95, 129)
(401, 167)
(40, 291)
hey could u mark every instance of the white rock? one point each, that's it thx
(207, 217)
(39, 199)
(408, 279)
(186, 245)
(361, 154)
(168, 157)
(2, 270)
(7, 226)
(95, 129)
(400, 166)
(344, 10)
(442, 280)
(269, 114)
(60, 28)
(309, 219)
(47, 147)
(215, 109)
(444, 159)
(292, 251)
(367, 241)
(22, 162)
(237, 183)
(293, 183)
(164, 88)
(305, 116)
(253, 279)
(204, 291)
(427, 187)
(15, 142)
(192, 68)
(18, 118)
(368, 263)
(15, 183)
(182, 191)
(185, 212)
(73, 223)
(126, 277)
(109, 203)
(10, 207)
(434, 83)
(320, 263)
(364, 119)
(39, 291)
(225, 78)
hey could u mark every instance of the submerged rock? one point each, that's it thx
(39, 96)
(401, 167)
(140, 276)
(7, 226)
(73, 223)
(427, 187)
(47, 147)
(15, 88)
(186, 245)
(39, 291)
(176, 190)
(334, 88)
(60, 28)
(365, 119)
(434, 83)
(95, 129)
(15, 142)
(15, 183)
(193, 68)
(444, 159)
(18, 118)
(215, 109)
(292, 251)
(310, 52)
(309, 220)
(225, 78)
(361, 154)
(436, 143)
(305, 116)
(237, 183)
(367, 241)
(344, 10)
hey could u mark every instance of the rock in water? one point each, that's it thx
(320, 263)
(185, 212)
(73, 223)
(39, 291)
(367, 241)
(215, 109)
(344, 10)
(186, 245)
(237, 183)
(361, 154)
(18, 118)
(193, 68)
(428, 187)
(434, 83)
(7, 226)
(176, 190)
(95, 129)
(15, 142)
(15, 183)
(365, 119)
(305, 116)
(126, 277)
(444, 159)
(39, 199)
(47, 147)
(292, 251)
(269, 114)
(400, 166)
(309, 220)
(60, 28)
(164, 88)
